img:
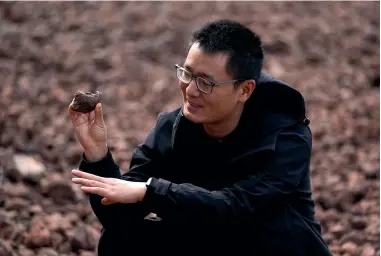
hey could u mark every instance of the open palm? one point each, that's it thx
(111, 189)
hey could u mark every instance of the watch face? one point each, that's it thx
(148, 182)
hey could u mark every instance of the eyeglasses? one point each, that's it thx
(203, 84)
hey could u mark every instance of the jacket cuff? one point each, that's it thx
(155, 199)
(105, 167)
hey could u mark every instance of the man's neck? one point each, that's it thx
(225, 127)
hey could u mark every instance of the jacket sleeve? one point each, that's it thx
(143, 165)
(265, 187)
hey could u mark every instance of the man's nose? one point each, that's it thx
(192, 89)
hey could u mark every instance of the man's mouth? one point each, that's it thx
(194, 105)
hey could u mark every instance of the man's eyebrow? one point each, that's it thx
(202, 74)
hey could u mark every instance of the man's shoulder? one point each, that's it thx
(266, 78)
(166, 122)
(168, 117)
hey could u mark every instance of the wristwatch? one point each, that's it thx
(151, 183)
(148, 182)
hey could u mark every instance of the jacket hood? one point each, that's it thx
(273, 105)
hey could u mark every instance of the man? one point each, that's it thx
(227, 172)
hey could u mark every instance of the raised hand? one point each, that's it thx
(91, 132)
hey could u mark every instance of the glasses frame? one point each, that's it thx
(212, 82)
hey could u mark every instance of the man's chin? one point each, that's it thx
(191, 116)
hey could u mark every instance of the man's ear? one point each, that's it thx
(247, 88)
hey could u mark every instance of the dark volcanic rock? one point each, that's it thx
(86, 101)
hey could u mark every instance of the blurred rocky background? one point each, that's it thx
(126, 50)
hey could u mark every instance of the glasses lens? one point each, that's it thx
(204, 85)
(184, 76)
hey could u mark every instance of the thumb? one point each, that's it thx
(107, 201)
(99, 115)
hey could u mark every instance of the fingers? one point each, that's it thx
(92, 184)
(96, 190)
(91, 116)
(77, 118)
(89, 183)
(99, 115)
(72, 113)
(88, 176)
(70, 108)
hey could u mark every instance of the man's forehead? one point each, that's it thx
(200, 61)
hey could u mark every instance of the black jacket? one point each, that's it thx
(248, 192)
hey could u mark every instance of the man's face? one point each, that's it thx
(211, 108)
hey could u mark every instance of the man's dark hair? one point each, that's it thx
(244, 47)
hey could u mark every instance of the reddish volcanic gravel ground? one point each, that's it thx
(48, 51)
